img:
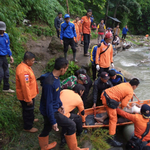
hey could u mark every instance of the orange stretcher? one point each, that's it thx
(101, 109)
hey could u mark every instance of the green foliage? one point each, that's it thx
(71, 69)
(94, 35)
(98, 138)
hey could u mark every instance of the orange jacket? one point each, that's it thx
(121, 93)
(140, 124)
(86, 23)
(26, 85)
(106, 58)
(77, 31)
(70, 101)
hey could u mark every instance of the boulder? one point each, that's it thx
(55, 45)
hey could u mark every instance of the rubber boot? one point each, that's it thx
(114, 142)
(74, 57)
(65, 55)
(72, 142)
(43, 142)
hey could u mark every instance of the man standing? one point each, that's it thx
(111, 97)
(117, 30)
(27, 89)
(124, 32)
(101, 29)
(57, 22)
(86, 30)
(4, 51)
(101, 84)
(104, 55)
(52, 109)
(67, 35)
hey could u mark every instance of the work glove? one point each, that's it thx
(97, 67)
(112, 65)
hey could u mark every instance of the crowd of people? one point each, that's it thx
(60, 98)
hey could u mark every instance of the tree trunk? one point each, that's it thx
(115, 13)
(67, 6)
(106, 15)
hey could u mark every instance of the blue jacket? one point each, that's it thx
(50, 99)
(4, 45)
(93, 54)
(92, 19)
(69, 32)
(119, 79)
(124, 31)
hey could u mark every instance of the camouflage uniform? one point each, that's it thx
(71, 81)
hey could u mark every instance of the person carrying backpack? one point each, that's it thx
(104, 55)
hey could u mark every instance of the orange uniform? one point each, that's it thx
(121, 93)
(77, 27)
(140, 124)
(106, 58)
(26, 85)
(86, 23)
(70, 101)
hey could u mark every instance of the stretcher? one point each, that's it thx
(101, 109)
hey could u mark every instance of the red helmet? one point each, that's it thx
(108, 35)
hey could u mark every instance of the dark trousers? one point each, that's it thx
(123, 36)
(86, 42)
(78, 121)
(102, 70)
(94, 71)
(28, 115)
(62, 121)
(146, 148)
(58, 33)
(68, 42)
(4, 72)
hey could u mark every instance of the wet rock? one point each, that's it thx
(55, 45)
(141, 44)
(38, 44)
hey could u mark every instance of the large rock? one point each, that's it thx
(55, 45)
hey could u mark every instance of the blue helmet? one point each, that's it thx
(67, 16)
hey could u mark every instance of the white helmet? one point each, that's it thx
(2, 26)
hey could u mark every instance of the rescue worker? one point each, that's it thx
(77, 28)
(52, 109)
(87, 86)
(70, 100)
(116, 77)
(71, 81)
(111, 97)
(67, 35)
(4, 51)
(86, 30)
(101, 84)
(104, 55)
(27, 89)
(101, 29)
(117, 30)
(57, 22)
(140, 124)
(93, 56)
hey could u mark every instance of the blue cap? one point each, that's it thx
(145, 111)
(67, 16)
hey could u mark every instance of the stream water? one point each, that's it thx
(137, 62)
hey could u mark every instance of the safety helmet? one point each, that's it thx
(2, 26)
(67, 16)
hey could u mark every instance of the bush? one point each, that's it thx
(71, 69)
